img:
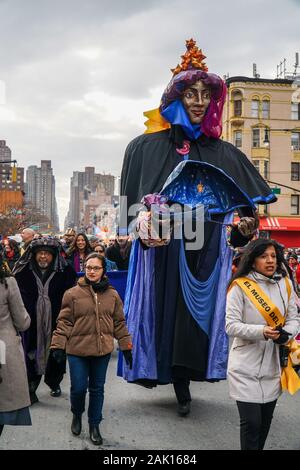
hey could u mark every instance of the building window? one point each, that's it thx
(295, 204)
(238, 138)
(255, 138)
(256, 164)
(295, 171)
(295, 142)
(266, 109)
(237, 107)
(255, 108)
(295, 115)
(237, 103)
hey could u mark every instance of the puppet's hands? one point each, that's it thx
(247, 226)
(152, 232)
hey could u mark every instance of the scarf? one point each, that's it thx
(43, 323)
(98, 286)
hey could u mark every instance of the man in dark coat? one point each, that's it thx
(43, 277)
(175, 300)
(119, 252)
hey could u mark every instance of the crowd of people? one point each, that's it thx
(37, 281)
(183, 300)
(74, 248)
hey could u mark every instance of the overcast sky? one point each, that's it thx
(78, 74)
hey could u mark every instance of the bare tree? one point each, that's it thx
(14, 219)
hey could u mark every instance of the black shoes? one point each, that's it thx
(95, 435)
(56, 392)
(184, 408)
(76, 425)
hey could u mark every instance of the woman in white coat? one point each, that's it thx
(254, 370)
(14, 393)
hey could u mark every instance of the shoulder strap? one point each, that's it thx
(261, 301)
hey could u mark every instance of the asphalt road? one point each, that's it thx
(138, 418)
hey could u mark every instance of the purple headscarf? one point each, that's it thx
(212, 121)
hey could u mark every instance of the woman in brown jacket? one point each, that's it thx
(14, 393)
(91, 316)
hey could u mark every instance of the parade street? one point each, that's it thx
(138, 418)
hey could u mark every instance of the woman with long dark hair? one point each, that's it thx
(78, 251)
(261, 315)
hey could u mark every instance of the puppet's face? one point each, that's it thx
(196, 99)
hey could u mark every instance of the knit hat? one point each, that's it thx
(70, 231)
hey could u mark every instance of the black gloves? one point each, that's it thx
(128, 357)
(284, 336)
(59, 355)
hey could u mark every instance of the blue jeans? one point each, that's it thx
(88, 373)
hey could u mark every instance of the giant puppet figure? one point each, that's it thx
(175, 300)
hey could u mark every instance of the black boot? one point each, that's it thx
(76, 425)
(55, 392)
(95, 435)
(184, 408)
(1, 428)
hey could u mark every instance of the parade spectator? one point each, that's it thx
(93, 241)
(90, 318)
(254, 369)
(14, 393)
(78, 251)
(295, 269)
(27, 236)
(68, 237)
(119, 252)
(43, 276)
(11, 253)
(111, 240)
(176, 293)
(110, 265)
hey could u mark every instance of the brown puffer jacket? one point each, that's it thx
(88, 322)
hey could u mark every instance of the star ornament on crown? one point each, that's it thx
(192, 59)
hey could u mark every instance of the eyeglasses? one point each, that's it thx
(94, 268)
(99, 251)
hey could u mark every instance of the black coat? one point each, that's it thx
(150, 158)
(61, 281)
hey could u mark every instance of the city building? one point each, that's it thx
(11, 180)
(88, 190)
(262, 119)
(5, 152)
(40, 185)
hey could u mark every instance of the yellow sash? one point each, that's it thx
(290, 380)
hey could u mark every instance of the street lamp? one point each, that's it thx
(268, 130)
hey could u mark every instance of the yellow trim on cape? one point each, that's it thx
(155, 122)
(290, 380)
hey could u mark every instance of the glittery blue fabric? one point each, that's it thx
(193, 183)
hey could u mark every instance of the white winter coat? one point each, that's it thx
(253, 368)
